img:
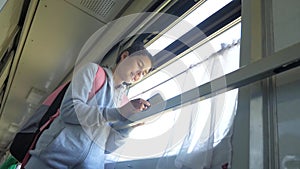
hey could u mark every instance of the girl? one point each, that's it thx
(82, 134)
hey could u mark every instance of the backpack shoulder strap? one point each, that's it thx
(55, 103)
(98, 81)
(50, 99)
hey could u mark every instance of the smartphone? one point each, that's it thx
(157, 104)
(139, 117)
(157, 98)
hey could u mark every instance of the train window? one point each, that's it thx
(165, 133)
(193, 19)
(227, 57)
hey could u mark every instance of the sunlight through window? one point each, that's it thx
(215, 58)
(190, 21)
(209, 53)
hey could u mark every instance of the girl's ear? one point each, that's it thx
(124, 55)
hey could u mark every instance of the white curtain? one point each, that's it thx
(194, 136)
(208, 140)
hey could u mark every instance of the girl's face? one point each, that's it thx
(131, 69)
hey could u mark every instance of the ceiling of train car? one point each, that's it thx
(48, 47)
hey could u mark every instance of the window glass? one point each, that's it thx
(205, 10)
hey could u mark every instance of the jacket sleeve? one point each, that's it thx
(74, 108)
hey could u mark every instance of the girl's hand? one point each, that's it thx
(134, 106)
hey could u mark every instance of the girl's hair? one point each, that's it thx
(136, 49)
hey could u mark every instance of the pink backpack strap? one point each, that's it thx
(49, 100)
(98, 81)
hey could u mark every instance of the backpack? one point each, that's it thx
(27, 137)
